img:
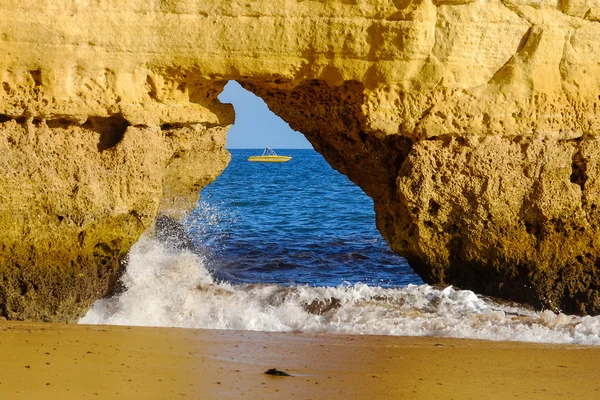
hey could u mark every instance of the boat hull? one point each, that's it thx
(269, 158)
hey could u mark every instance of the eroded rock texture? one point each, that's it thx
(76, 197)
(472, 124)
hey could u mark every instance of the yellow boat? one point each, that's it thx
(269, 155)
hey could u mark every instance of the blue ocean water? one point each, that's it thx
(298, 222)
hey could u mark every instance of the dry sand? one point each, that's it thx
(50, 361)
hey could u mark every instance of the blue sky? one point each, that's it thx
(255, 125)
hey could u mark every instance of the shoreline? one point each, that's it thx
(54, 361)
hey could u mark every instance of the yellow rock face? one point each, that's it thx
(471, 123)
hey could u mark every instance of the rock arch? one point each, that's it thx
(473, 126)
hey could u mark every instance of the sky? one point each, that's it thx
(256, 126)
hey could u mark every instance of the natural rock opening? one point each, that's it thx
(256, 127)
(472, 125)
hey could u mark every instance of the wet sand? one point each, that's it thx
(50, 361)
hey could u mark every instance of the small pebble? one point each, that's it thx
(276, 372)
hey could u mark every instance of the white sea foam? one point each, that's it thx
(175, 289)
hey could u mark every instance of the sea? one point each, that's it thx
(293, 247)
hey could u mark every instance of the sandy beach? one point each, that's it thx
(52, 361)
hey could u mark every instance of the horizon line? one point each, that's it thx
(260, 148)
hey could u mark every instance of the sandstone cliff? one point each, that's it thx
(471, 123)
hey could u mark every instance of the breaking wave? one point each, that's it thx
(174, 288)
